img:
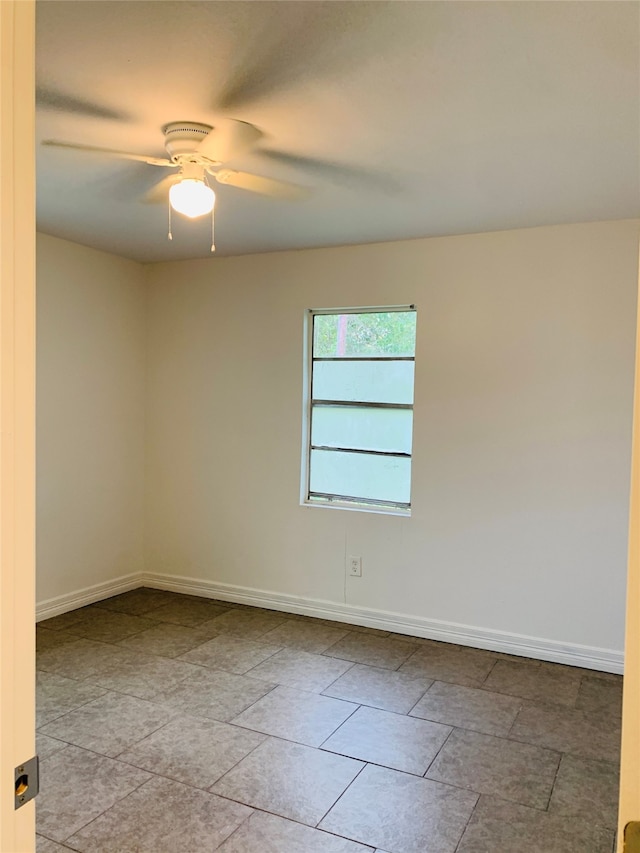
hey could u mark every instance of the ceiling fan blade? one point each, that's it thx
(52, 99)
(124, 155)
(159, 193)
(291, 45)
(258, 184)
(228, 139)
(342, 174)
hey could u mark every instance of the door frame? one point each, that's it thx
(629, 809)
(17, 415)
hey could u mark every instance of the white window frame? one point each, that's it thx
(349, 504)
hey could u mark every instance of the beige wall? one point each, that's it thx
(523, 406)
(90, 417)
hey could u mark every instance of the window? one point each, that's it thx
(360, 408)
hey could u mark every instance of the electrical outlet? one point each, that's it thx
(355, 566)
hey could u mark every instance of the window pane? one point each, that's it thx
(358, 475)
(364, 381)
(376, 333)
(362, 429)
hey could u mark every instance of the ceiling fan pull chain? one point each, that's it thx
(170, 235)
(213, 233)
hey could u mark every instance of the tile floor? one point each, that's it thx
(173, 723)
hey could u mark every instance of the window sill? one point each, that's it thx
(355, 507)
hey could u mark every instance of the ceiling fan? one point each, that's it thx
(198, 151)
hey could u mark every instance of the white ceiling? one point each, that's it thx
(405, 119)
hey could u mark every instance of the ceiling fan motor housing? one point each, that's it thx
(183, 137)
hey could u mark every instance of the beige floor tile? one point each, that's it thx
(379, 688)
(47, 746)
(168, 640)
(375, 632)
(231, 654)
(296, 715)
(65, 620)
(144, 676)
(57, 695)
(597, 696)
(108, 626)
(187, 612)
(517, 772)
(49, 639)
(246, 624)
(109, 724)
(424, 641)
(137, 602)
(162, 816)
(392, 740)
(612, 677)
(44, 845)
(184, 732)
(382, 652)
(192, 750)
(530, 681)
(305, 635)
(468, 708)
(301, 670)
(587, 789)
(336, 623)
(568, 730)
(76, 786)
(497, 825)
(267, 833)
(214, 694)
(289, 780)
(401, 813)
(254, 610)
(442, 662)
(81, 658)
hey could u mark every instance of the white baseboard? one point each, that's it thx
(588, 657)
(72, 600)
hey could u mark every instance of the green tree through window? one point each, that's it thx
(371, 333)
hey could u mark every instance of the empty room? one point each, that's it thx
(335, 351)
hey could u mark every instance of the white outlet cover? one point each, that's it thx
(355, 566)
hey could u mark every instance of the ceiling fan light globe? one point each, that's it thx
(192, 198)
